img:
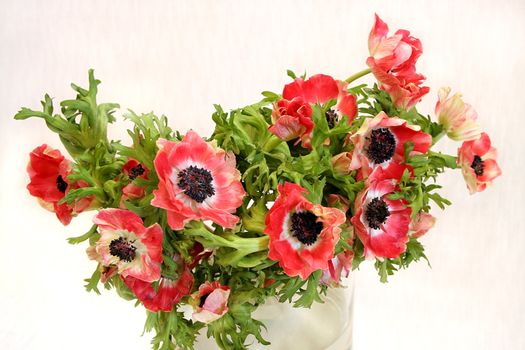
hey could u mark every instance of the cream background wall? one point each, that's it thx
(178, 58)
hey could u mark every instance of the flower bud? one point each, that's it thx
(457, 117)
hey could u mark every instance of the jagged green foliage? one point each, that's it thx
(240, 255)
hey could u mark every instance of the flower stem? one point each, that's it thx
(358, 75)
(438, 137)
(272, 142)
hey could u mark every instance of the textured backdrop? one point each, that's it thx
(178, 58)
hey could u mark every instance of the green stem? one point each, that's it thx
(272, 142)
(358, 75)
(438, 137)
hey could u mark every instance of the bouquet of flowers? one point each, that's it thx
(284, 199)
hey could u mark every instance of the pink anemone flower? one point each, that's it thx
(477, 159)
(125, 243)
(422, 223)
(380, 142)
(457, 117)
(210, 302)
(197, 181)
(393, 62)
(382, 224)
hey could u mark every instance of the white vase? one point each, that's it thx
(326, 326)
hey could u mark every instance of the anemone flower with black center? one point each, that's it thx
(302, 235)
(292, 115)
(126, 244)
(380, 142)
(48, 171)
(133, 170)
(197, 181)
(477, 159)
(167, 292)
(210, 302)
(382, 224)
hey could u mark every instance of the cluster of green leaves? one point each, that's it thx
(240, 259)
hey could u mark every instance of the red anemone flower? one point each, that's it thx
(48, 171)
(197, 180)
(210, 302)
(169, 291)
(382, 224)
(393, 62)
(302, 235)
(133, 170)
(125, 243)
(292, 116)
(380, 142)
(477, 159)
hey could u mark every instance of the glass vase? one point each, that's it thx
(326, 326)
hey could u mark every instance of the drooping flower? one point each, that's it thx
(197, 180)
(421, 224)
(210, 302)
(340, 266)
(380, 142)
(169, 291)
(302, 235)
(381, 223)
(392, 61)
(124, 242)
(133, 170)
(48, 171)
(292, 116)
(477, 159)
(457, 117)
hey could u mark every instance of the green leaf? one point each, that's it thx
(92, 282)
(76, 240)
(311, 293)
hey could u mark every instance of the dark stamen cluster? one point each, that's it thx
(331, 118)
(203, 299)
(478, 165)
(376, 213)
(61, 184)
(305, 227)
(381, 146)
(196, 183)
(136, 171)
(122, 249)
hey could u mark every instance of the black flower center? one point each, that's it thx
(122, 249)
(136, 171)
(61, 184)
(305, 227)
(203, 299)
(478, 165)
(331, 118)
(196, 183)
(382, 145)
(376, 213)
